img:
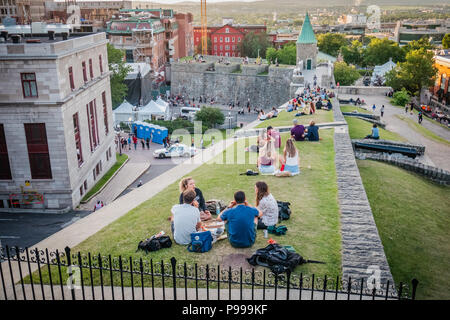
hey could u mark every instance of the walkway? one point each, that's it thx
(437, 153)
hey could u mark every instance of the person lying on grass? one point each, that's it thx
(189, 184)
(241, 219)
(185, 218)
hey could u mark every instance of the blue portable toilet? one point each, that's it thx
(147, 128)
(160, 134)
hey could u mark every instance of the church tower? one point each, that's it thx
(307, 47)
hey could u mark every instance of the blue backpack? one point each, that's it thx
(200, 242)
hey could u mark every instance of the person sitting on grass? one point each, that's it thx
(298, 131)
(375, 133)
(267, 157)
(189, 184)
(241, 220)
(267, 205)
(275, 135)
(312, 132)
(290, 159)
(261, 115)
(185, 218)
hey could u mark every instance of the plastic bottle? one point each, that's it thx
(217, 209)
(161, 233)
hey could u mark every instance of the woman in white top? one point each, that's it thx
(267, 204)
(291, 158)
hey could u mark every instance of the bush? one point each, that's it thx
(344, 74)
(210, 116)
(400, 98)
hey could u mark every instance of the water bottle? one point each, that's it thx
(217, 208)
(266, 233)
(160, 234)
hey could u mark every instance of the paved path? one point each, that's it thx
(437, 153)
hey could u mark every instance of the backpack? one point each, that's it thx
(249, 172)
(279, 231)
(278, 258)
(154, 243)
(284, 212)
(200, 242)
(211, 205)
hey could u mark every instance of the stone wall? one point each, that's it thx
(362, 91)
(265, 86)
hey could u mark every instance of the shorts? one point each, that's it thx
(266, 169)
(294, 170)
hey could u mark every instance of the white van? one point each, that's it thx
(189, 112)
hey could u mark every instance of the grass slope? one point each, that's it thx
(313, 229)
(285, 119)
(412, 215)
(422, 130)
(358, 129)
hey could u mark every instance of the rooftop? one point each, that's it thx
(307, 33)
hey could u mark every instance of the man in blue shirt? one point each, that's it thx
(313, 132)
(241, 221)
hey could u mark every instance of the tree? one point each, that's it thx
(252, 43)
(198, 49)
(210, 116)
(285, 55)
(418, 71)
(400, 98)
(446, 41)
(344, 74)
(417, 44)
(119, 72)
(353, 54)
(331, 43)
(380, 50)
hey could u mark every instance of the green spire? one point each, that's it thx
(307, 33)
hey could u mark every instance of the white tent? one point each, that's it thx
(123, 112)
(162, 102)
(152, 108)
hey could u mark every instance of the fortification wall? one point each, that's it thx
(265, 86)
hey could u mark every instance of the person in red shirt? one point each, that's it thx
(135, 142)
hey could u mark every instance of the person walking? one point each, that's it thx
(374, 107)
(147, 142)
(129, 143)
(382, 110)
(420, 117)
(143, 144)
(135, 140)
(406, 108)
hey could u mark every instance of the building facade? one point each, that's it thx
(56, 131)
(307, 46)
(407, 31)
(224, 40)
(441, 94)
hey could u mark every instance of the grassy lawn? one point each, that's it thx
(412, 215)
(207, 138)
(313, 229)
(285, 118)
(353, 108)
(422, 130)
(358, 129)
(120, 160)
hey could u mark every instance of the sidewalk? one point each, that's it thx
(437, 153)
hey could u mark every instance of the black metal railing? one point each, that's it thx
(42, 274)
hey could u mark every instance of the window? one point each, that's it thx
(85, 185)
(100, 63)
(91, 69)
(81, 191)
(29, 86)
(72, 85)
(239, 39)
(107, 155)
(83, 64)
(227, 30)
(227, 47)
(221, 47)
(215, 39)
(93, 173)
(76, 128)
(105, 113)
(5, 169)
(98, 168)
(234, 39)
(109, 151)
(221, 39)
(215, 47)
(92, 124)
(38, 151)
(227, 39)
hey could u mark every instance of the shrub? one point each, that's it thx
(400, 98)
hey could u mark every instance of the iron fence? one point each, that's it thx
(33, 274)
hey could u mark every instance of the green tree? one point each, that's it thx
(285, 55)
(272, 55)
(344, 74)
(353, 54)
(417, 44)
(380, 50)
(252, 43)
(446, 41)
(330, 43)
(116, 64)
(210, 116)
(400, 98)
(418, 71)
(198, 49)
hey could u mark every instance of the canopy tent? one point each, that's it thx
(123, 113)
(162, 102)
(152, 108)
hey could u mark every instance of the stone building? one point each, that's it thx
(307, 47)
(56, 132)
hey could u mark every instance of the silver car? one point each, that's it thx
(177, 150)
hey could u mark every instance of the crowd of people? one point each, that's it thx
(311, 100)
(241, 218)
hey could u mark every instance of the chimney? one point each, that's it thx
(15, 38)
(65, 35)
(4, 34)
(51, 35)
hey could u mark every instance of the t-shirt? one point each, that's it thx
(313, 133)
(276, 136)
(269, 207)
(199, 198)
(185, 219)
(375, 133)
(297, 132)
(241, 225)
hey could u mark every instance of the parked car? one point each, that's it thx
(177, 150)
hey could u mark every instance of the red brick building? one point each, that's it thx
(224, 40)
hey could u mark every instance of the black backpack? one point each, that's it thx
(278, 258)
(154, 243)
(284, 212)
